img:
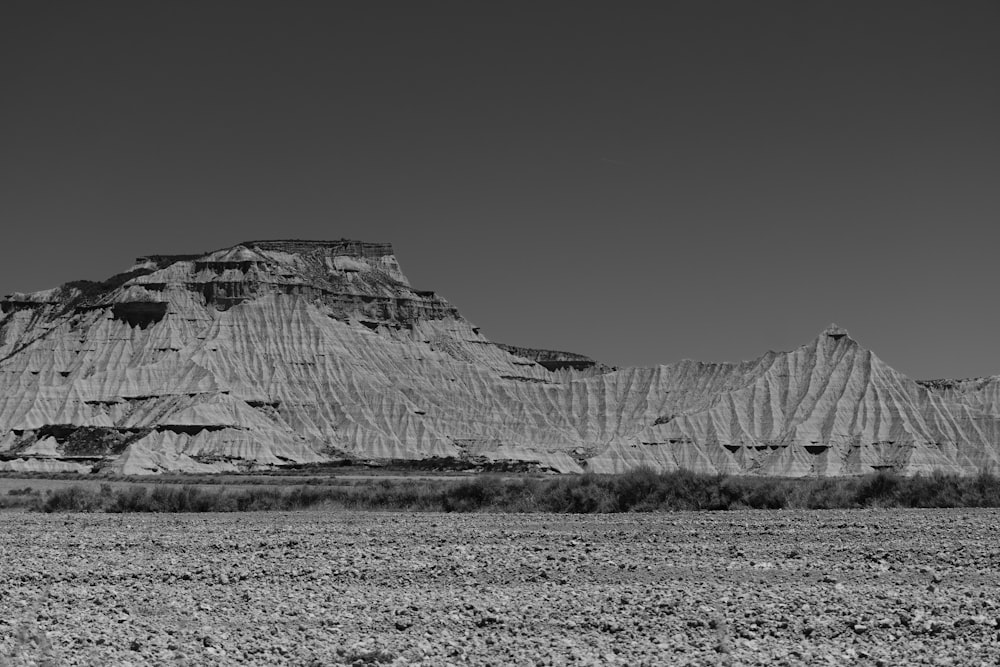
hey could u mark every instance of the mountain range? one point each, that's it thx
(293, 353)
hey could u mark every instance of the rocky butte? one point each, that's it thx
(275, 353)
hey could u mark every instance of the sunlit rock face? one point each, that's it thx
(277, 353)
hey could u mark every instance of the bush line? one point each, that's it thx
(641, 490)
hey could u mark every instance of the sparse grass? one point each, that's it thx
(641, 490)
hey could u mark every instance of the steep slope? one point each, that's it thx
(273, 353)
(828, 408)
(262, 354)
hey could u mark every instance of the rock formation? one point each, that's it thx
(275, 353)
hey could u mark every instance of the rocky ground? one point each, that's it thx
(740, 588)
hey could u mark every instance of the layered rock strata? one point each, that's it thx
(274, 353)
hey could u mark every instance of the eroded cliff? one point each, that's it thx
(273, 353)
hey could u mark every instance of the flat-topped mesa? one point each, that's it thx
(342, 247)
(346, 247)
(166, 260)
(353, 280)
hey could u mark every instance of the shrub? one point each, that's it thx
(640, 490)
(881, 489)
(983, 490)
(752, 492)
(72, 499)
(822, 494)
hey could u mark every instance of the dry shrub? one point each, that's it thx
(641, 490)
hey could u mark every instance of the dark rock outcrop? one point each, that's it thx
(551, 359)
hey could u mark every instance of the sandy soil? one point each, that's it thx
(831, 587)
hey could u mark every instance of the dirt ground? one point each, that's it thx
(879, 587)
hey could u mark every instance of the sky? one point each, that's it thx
(638, 182)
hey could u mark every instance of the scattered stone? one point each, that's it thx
(382, 585)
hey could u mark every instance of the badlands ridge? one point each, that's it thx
(277, 353)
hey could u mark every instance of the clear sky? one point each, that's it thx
(639, 182)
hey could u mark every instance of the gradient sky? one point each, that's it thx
(639, 182)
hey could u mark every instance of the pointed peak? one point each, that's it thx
(835, 332)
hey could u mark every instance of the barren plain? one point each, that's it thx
(322, 587)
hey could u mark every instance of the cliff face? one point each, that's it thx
(272, 353)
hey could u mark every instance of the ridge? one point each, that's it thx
(292, 352)
(343, 246)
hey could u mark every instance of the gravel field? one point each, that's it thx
(785, 587)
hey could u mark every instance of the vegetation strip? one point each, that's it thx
(637, 491)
